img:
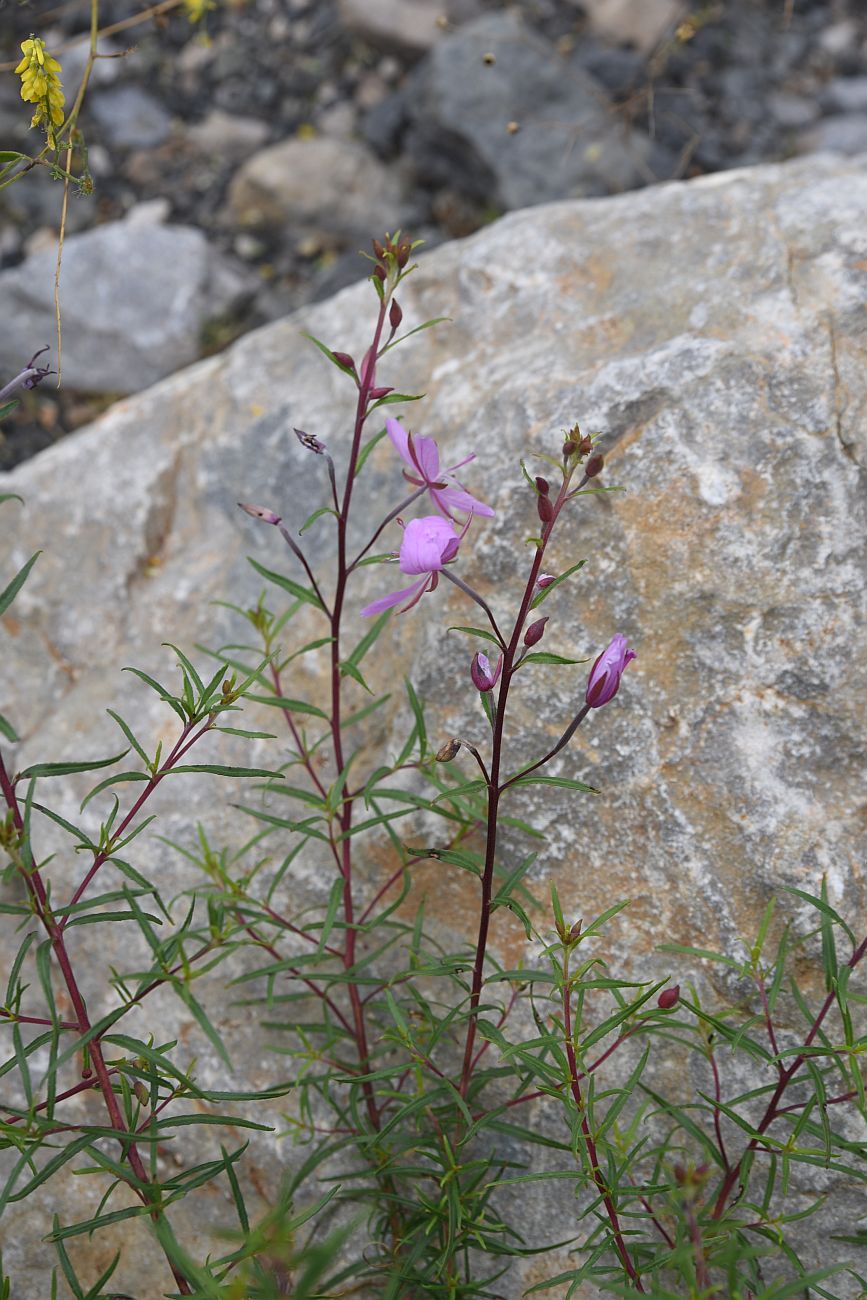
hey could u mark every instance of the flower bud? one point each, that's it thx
(594, 465)
(545, 509)
(261, 512)
(376, 393)
(575, 932)
(542, 485)
(345, 359)
(605, 674)
(448, 751)
(378, 249)
(395, 314)
(404, 249)
(544, 580)
(379, 272)
(569, 448)
(535, 632)
(668, 998)
(310, 441)
(585, 446)
(484, 676)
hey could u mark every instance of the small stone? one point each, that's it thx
(135, 299)
(150, 212)
(227, 135)
(321, 184)
(129, 117)
(792, 111)
(845, 133)
(847, 94)
(409, 27)
(839, 38)
(642, 25)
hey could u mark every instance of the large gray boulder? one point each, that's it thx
(713, 331)
(496, 112)
(134, 303)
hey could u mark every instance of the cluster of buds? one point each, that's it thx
(391, 256)
(41, 85)
(576, 446)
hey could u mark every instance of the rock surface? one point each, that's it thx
(713, 332)
(134, 301)
(498, 114)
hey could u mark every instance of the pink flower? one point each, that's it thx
(428, 544)
(423, 458)
(484, 676)
(605, 674)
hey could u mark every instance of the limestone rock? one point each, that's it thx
(713, 332)
(134, 299)
(316, 185)
(497, 112)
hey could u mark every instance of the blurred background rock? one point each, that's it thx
(240, 164)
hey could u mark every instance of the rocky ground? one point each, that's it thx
(289, 131)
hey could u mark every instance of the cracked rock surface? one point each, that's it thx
(713, 332)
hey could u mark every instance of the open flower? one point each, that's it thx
(605, 674)
(423, 458)
(428, 544)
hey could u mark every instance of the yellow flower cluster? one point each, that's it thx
(196, 9)
(41, 85)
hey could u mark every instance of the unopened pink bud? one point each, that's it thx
(261, 512)
(484, 676)
(595, 465)
(605, 674)
(535, 632)
(345, 359)
(669, 998)
(542, 485)
(376, 393)
(545, 580)
(395, 314)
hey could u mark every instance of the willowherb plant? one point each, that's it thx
(432, 1086)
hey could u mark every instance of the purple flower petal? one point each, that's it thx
(425, 542)
(386, 602)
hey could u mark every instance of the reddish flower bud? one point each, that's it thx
(395, 314)
(545, 509)
(575, 932)
(585, 446)
(404, 249)
(345, 359)
(545, 580)
(378, 249)
(448, 751)
(484, 676)
(569, 448)
(376, 393)
(668, 998)
(594, 465)
(542, 485)
(535, 632)
(379, 272)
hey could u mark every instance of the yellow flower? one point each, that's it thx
(41, 85)
(196, 9)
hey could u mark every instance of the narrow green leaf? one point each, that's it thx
(293, 706)
(326, 352)
(474, 631)
(280, 580)
(160, 690)
(545, 657)
(367, 449)
(66, 769)
(7, 730)
(8, 595)
(221, 769)
(397, 399)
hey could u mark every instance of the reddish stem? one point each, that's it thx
(595, 1169)
(772, 1109)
